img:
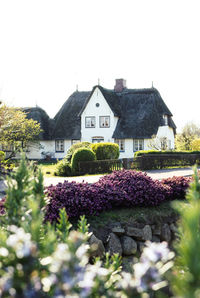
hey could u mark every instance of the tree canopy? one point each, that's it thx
(16, 130)
(189, 133)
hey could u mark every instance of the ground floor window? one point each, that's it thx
(59, 144)
(97, 139)
(121, 143)
(138, 144)
(75, 142)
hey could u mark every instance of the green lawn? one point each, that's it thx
(48, 169)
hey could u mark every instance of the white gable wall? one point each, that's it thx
(92, 110)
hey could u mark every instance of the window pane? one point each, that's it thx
(89, 121)
(104, 121)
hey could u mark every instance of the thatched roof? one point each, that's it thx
(46, 124)
(140, 113)
(67, 120)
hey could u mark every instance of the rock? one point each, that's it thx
(118, 231)
(141, 246)
(156, 230)
(147, 233)
(114, 244)
(129, 246)
(127, 264)
(155, 238)
(165, 233)
(97, 247)
(134, 232)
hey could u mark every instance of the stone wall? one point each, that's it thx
(128, 239)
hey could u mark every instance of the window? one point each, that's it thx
(97, 139)
(138, 144)
(104, 121)
(75, 141)
(89, 122)
(121, 143)
(59, 145)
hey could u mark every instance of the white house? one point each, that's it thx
(129, 117)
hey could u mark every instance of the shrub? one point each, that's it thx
(81, 154)
(74, 147)
(157, 152)
(63, 168)
(123, 188)
(105, 151)
(178, 185)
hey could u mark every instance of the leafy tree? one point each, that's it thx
(16, 131)
(189, 133)
(196, 144)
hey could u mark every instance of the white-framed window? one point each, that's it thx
(121, 143)
(104, 121)
(75, 142)
(59, 144)
(138, 144)
(165, 117)
(89, 122)
(97, 139)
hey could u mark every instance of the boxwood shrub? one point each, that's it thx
(145, 152)
(76, 146)
(63, 168)
(105, 151)
(123, 188)
(81, 154)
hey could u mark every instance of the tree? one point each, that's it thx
(16, 131)
(184, 139)
(158, 143)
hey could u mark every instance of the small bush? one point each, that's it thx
(76, 146)
(105, 151)
(172, 152)
(81, 154)
(63, 168)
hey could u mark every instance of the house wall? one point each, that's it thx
(92, 110)
(168, 132)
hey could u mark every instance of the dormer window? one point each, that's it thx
(165, 117)
(89, 122)
(104, 121)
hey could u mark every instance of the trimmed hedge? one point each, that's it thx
(146, 152)
(81, 154)
(76, 146)
(63, 168)
(125, 188)
(106, 151)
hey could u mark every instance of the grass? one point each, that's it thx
(130, 215)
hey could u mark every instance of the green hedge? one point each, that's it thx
(81, 154)
(145, 152)
(76, 146)
(106, 151)
(63, 168)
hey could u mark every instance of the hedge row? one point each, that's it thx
(123, 188)
(146, 152)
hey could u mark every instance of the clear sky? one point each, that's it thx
(47, 47)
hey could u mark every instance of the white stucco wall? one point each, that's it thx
(92, 110)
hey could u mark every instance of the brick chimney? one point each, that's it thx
(120, 84)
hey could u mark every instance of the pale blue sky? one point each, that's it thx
(47, 47)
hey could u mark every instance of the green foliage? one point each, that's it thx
(2, 156)
(63, 168)
(195, 144)
(63, 226)
(81, 154)
(74, 147)
(184, 139)
(105, 151)
(16, 130)
(185, 280)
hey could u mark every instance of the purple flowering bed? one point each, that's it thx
(125, 188)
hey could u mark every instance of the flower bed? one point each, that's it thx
(124, 188)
